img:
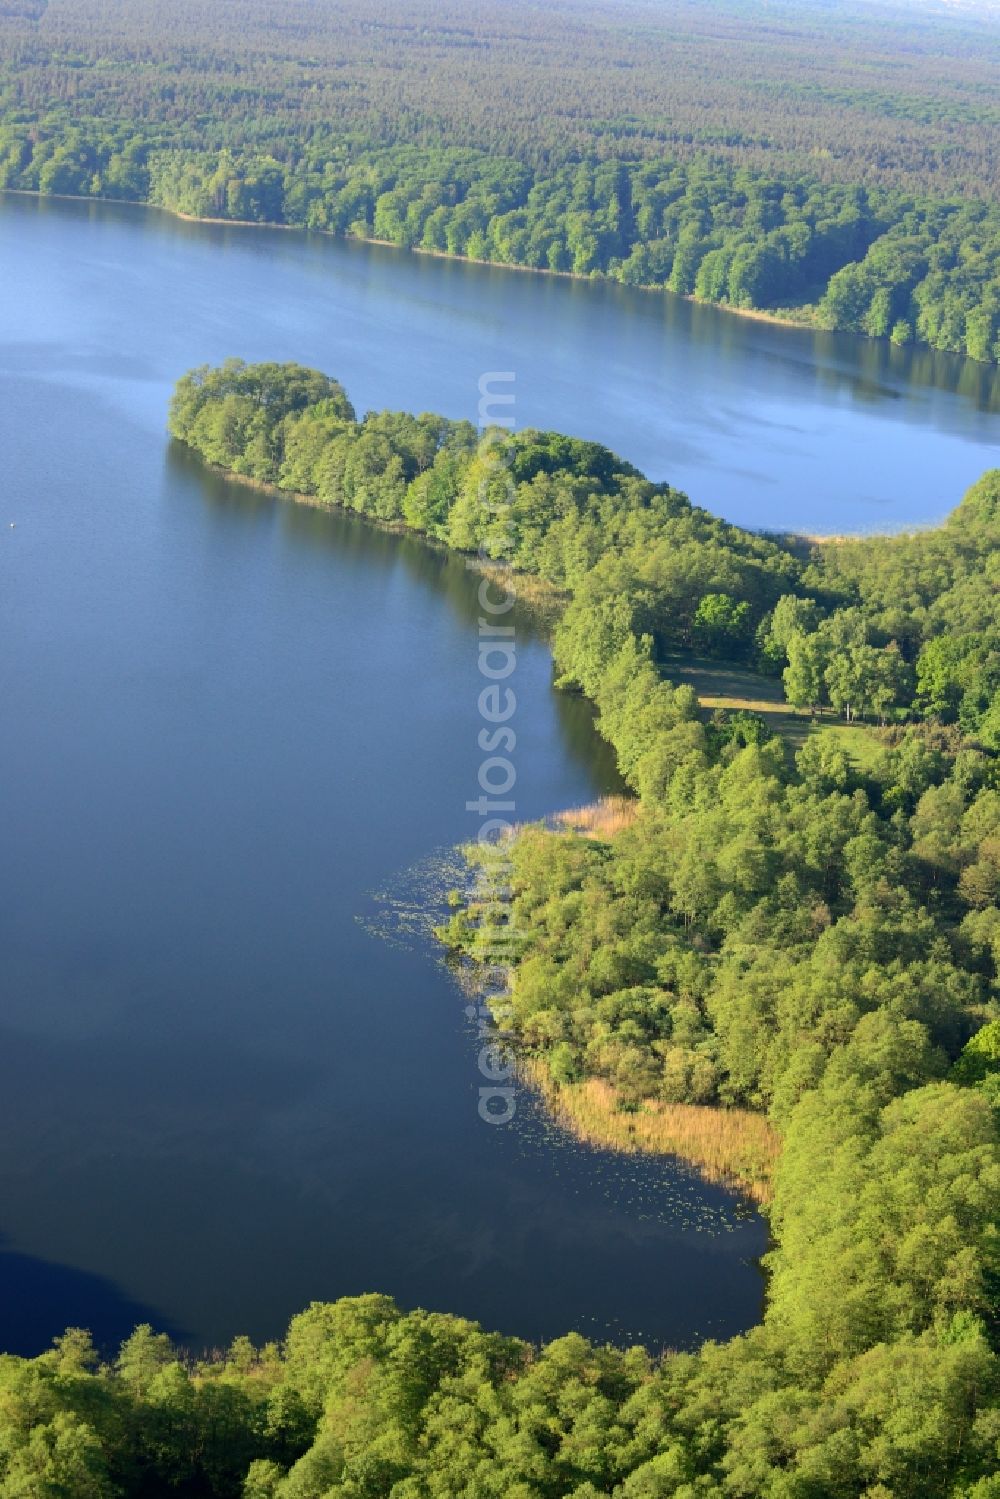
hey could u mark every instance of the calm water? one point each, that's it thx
(237, 741)
(771, 427)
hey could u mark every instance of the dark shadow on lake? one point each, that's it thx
(40, 1299)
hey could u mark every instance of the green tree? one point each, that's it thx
(805, 675)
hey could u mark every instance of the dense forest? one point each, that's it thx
(805, 933)
(897, 629)
(838, 165)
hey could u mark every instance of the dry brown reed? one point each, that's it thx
(601, 819)
(731, 1146)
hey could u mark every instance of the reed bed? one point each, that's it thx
(601, 819)
(733, 1147)
(544, 600)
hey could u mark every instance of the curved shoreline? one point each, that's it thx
(533, 590)
(732, 1148)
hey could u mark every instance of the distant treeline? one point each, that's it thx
(897, 95)
(866, 261)
(659, 154)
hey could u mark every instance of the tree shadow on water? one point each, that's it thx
(40, 1299)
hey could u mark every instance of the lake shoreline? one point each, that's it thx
(778, 320)
(399, 528)
(543, 592)
(732, 1148)
(668, 429)
(531, 590)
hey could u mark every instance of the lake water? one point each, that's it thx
(236, 745)
(771, 427)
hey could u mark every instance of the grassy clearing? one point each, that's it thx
(731, 1146)
(860, 744)
(724, 684)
